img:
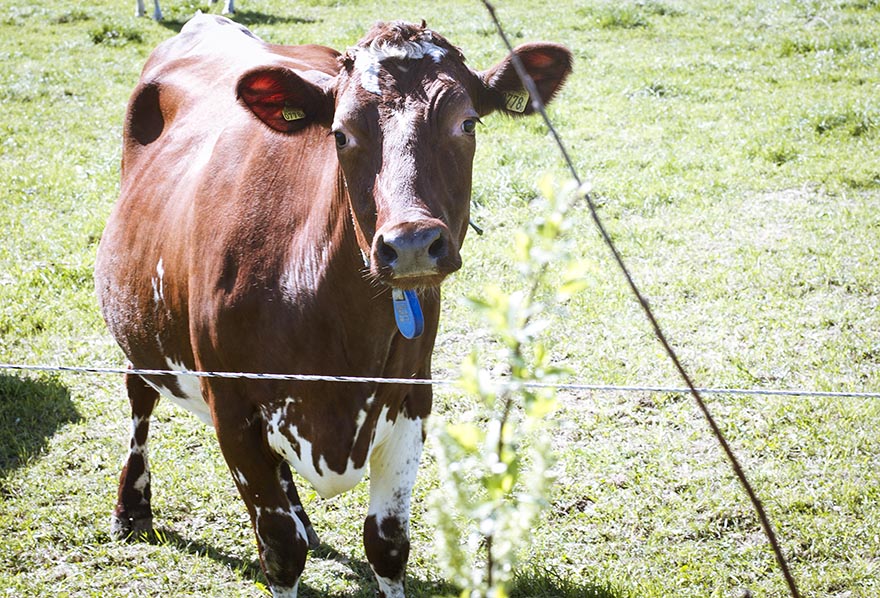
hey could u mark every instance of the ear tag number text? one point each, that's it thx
(516, 101)
(289, 114)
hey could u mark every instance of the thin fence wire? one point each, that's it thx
(691, 388)
(538, 106)
(446, 382)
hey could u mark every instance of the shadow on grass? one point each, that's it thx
(247, 18)
(31, 411)
(250, 569)
(542, 583)
(547, 583)
(165, 537)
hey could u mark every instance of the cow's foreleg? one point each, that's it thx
(282, 538)
(393, 468)
(133, 514)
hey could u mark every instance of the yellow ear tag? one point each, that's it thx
(516, 101)
(290, 114)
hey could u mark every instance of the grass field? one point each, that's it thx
(733, 150)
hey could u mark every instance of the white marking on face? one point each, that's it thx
(138, 449)
(327, 483)
(368, 60)
(368, 66)
(290, 514)
(399, 172)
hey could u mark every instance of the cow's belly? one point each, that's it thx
(300, 453)
(186, 392)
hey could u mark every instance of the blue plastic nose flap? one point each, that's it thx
(408, 313)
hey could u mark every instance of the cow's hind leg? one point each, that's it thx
(393, 468)
(133, 514)
(290, 488)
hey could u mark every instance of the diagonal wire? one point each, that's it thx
(538, 105)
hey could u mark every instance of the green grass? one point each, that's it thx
(733, 152)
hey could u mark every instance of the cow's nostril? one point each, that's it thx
(437, 249)
(386, 253)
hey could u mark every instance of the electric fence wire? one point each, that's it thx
(449, 383)
(538, 106)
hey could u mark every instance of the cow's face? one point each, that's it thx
(403, 114)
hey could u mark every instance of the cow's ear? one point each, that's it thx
(547, 64)
(287, 100)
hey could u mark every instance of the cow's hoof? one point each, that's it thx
(124, 528)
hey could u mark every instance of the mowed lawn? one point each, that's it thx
(734, 153)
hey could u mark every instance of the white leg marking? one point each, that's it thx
(388, 587)
(144, 480)
(239, 477)
(282, 592)
(393, 469)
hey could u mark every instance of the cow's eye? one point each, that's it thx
(341, 139)
(469, 126)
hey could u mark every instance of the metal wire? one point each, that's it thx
(538, 105)
(602, 388)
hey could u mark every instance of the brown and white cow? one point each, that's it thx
(272, 198)
(139, 9)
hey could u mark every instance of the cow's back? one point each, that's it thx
(187, 87)
(195, 185)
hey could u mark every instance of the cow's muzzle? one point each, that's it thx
(414, 254)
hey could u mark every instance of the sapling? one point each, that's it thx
(495, 461)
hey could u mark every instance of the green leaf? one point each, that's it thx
(468, 436)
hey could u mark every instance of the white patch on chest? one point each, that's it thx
(306, 270)
(190, 396)
(327, 483)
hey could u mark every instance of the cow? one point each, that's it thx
(139, 9)
(294, 210)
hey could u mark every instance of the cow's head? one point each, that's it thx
(403, 113)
